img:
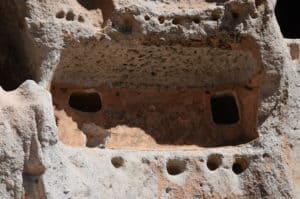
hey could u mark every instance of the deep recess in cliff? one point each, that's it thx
(149, 99)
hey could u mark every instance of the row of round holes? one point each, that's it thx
(176, 166)
(70, 16)
(161, 20)
(176, 21)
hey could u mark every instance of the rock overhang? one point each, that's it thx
(236, 29)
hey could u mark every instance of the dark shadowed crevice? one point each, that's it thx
(85, 101)
(15, 61)
(240, 165)
(106, 6)
(175, 166)
(33, 186)
(224, 110)
(288, 15)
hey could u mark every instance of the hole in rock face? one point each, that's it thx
(61, 14)
(80, 18)
(106, 6)
(16, 47)
(224, 110)
(151, 106)
(117, 162)
(214, 161)
(85, 101)
(176, 167)
(288, 15)
(196, 20)
(70, 16)
(146, 17)
(237, 168)
(240, 165)
(266, 155)
(147, 118)
(161, 19)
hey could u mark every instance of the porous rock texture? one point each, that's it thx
(27, 128)
(148, 99)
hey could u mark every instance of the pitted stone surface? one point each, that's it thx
(155, 66)
(27, 126)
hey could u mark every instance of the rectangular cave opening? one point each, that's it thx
(89, 102)
(17, 49)
(287, 15)
(154, 118)
(152, 97)
(224, 109)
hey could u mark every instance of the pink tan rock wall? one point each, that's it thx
(177, 99)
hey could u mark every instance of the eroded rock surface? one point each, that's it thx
(27, 127)
(150, 99)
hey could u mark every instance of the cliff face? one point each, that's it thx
(149, 99)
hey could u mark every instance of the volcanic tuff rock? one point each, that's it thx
(149, 99)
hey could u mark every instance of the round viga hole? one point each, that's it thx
(60, 14)
(117, 161)
(70, 15)
(240, 165)
(85, 101)
(146, 17)
(214, 161)
(176, 167)
(81, 19)
(161, 19)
